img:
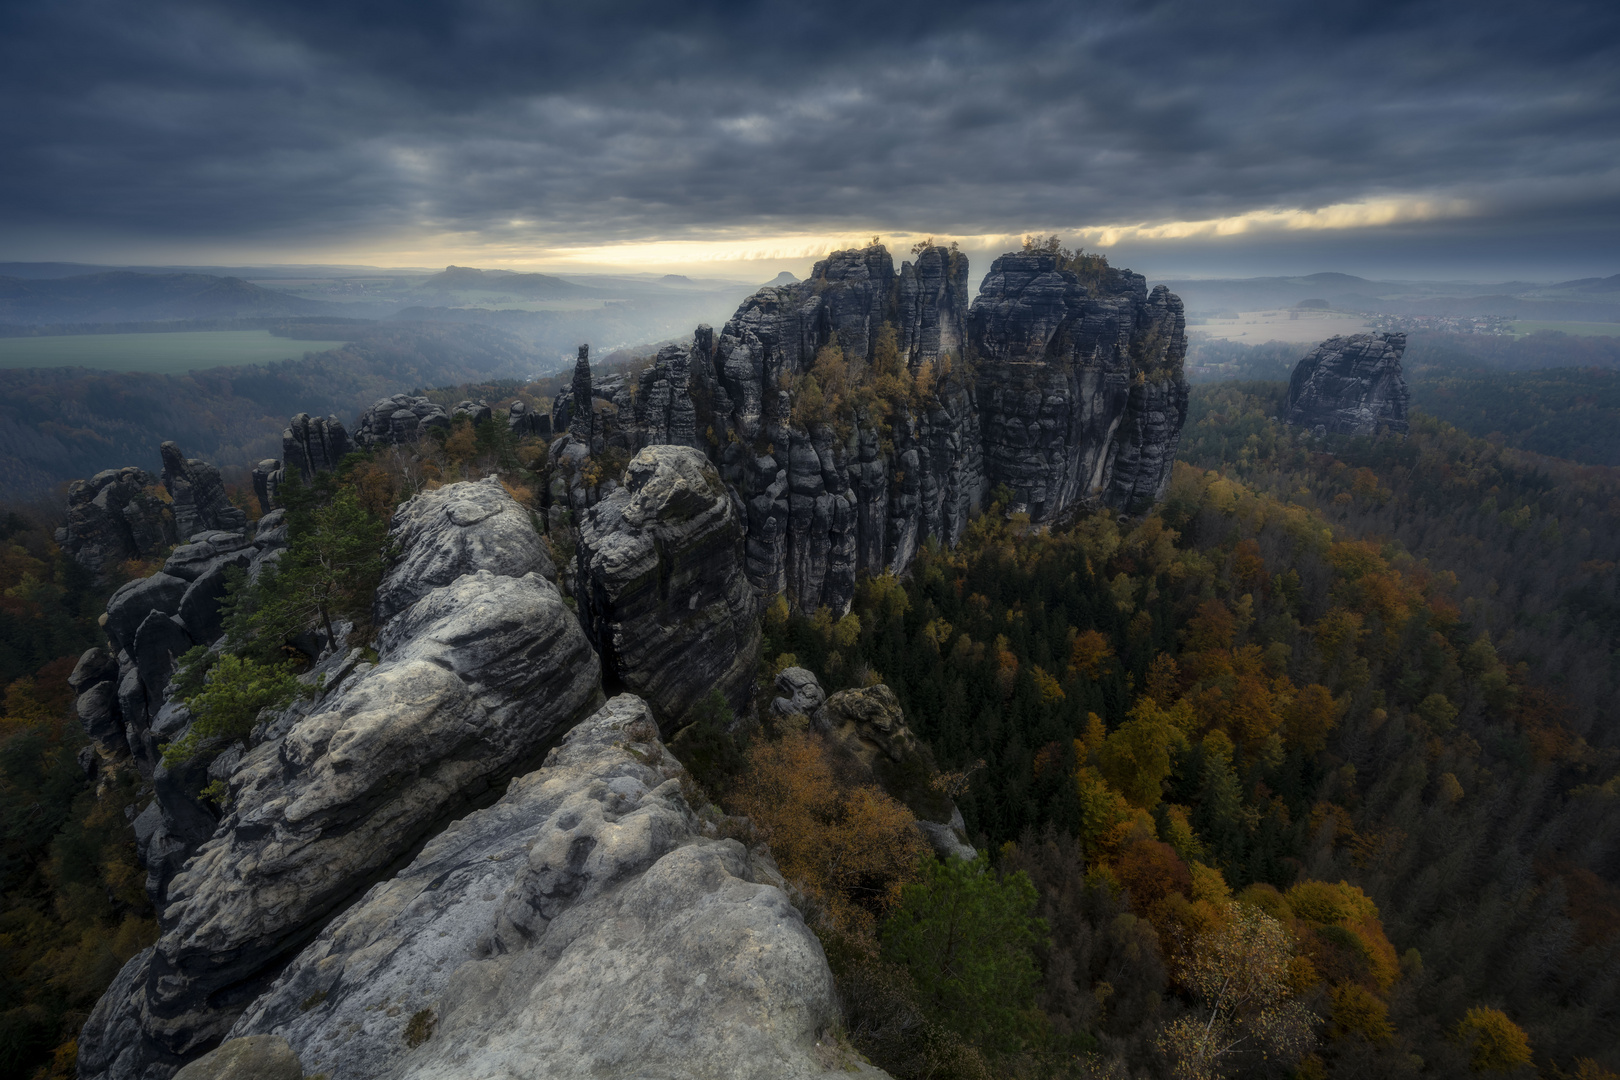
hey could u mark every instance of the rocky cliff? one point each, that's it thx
(1080, 387)
(664, 597)
(473, 679)
(354, 901)
(587, 924)
(1350, 386)
(124, 514)
(1070, 392)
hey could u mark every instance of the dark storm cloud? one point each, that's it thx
(592, 122)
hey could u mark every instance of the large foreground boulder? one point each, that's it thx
(1351, 386)
(473, 682)
(446, 533)
(662, 582)
(584, 925)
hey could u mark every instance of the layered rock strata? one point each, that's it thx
(1080, 387)
(1070, 392)
(473, 681)
(587, 924)
(458, 530)
(523, 421)
(663, 594)
(1351, 386)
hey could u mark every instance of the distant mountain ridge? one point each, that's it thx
(468, 279)
(124, 295)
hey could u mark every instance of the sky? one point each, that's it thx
(1466, 139)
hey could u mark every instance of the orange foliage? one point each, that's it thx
(1089, 654)
(851, 847)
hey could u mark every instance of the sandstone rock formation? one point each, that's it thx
(198, 493)
(522, 421)
(473, 681)
(1350, 386)
(1068, 391)
(117, 515)
(584, 925)
(457, 530)
(476, 411)
(660, 579)
(1080, 387)
(313, 444)
(398, 419)
(309, 445)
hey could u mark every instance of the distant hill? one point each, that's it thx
(1584, 300)
(125, 296)
(533, 286)
(784, 278)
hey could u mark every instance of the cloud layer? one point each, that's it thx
(517, 127)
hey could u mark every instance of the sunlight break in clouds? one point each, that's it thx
(1352, 215)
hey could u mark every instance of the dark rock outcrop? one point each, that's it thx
(314, 444)
(198, 493)
(660, 579)
(1351, 386)
(1080, 386)
(473, 681)
(476, 411)
(1068, 391)
(398, 419)
(523, 421)
(587, 924)
(117, 515)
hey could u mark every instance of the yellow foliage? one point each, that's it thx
(1357, 1012)
(1105, 817)
(1089, 653)
(1135, 759)
(1495, 1043)
(1051, 693)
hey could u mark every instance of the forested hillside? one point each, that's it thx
(1388, 664)
(1549, 393)
(1311, 771)
(69, 423)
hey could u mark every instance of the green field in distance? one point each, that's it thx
(162, 354)
(1577, 329)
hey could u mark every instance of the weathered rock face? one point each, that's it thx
(523, 421)
(398, 419)
(200, 502)
(152, 622)
(1080, 386)
(584, 925)
(661, 583)
(457, 530)
(314, 444)
(116, 515)
(823, 505)
(1351, 386)
(474, 680)
(1078, 399)
(476, 411)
